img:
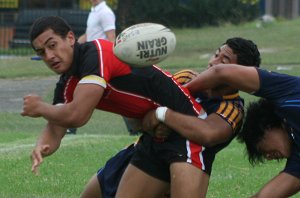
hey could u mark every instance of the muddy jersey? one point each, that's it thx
(284, 92)
(129, 91)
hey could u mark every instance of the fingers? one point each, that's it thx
(37, 157)
(149, 121)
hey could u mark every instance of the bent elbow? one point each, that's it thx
(208, 141)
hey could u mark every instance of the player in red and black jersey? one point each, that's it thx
(224, 117)
(101, 86)
(93, 78)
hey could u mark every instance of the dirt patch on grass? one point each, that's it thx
(13, 90)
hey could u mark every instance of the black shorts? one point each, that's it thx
(110, 175)
(154, 157)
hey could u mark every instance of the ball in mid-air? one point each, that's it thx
(144, 44)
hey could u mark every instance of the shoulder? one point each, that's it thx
(185, 76)
(231, 109)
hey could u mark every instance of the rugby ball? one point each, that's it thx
(144, 44)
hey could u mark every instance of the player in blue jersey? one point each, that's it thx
(223, 112)
(272, 128)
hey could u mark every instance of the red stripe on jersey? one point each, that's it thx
(196, 155)
(125, 103)
(115, 101)
(109, 65)
(196, 106)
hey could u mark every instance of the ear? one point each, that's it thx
(71, 38)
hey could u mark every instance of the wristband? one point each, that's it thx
(160, 113)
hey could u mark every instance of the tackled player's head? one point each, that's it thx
(246, 51)
(260, 117)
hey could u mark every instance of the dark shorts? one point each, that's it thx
(110, 175)
(144, 158)
(154, 157)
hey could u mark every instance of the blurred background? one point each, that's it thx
(16, 16)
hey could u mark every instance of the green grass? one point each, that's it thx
(65, 173)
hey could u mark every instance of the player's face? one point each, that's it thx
(276, 144)
(223, 55)
(55, 51)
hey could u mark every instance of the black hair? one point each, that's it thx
(260, 116)
(56, 23)
(246, 51)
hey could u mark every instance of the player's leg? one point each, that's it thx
(136, 183)
(145, 176)
(188, 181)
(92, 189)
(106, 181)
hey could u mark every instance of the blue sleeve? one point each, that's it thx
(275, 86)
(293, 164)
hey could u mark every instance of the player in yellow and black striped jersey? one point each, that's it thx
(224, 114)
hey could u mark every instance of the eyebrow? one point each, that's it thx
(39, 49)
(227, 57)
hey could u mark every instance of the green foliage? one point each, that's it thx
(112, 3)
(192, 13)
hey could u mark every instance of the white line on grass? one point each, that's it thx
(67, 140)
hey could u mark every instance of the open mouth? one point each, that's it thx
(55, 65)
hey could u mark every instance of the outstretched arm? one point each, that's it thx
(283, 185)
(48, 142)
(244, 78)
(73, 114)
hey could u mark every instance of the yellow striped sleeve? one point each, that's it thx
(184, 76)
(231, 113)
(93, 79)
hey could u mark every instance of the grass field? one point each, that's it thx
(65, 173)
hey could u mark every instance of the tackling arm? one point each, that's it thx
(244, 78)
(208, 132)
(211, 131)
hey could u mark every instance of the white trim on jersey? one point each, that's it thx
(93, 79)
(100, 57)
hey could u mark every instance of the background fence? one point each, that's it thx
(16, 17)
